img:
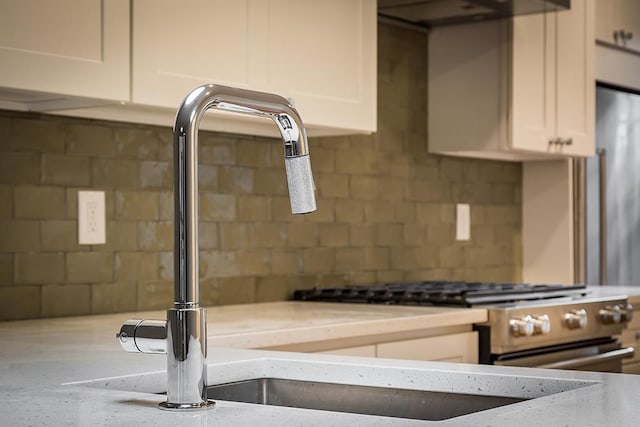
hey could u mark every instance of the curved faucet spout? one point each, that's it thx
(296, 153)
(183, 336)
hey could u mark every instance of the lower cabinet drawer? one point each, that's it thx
(631, 368)
(365, 351)
(461, 347)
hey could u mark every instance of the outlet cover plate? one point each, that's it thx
(463, 221)
(91, 218)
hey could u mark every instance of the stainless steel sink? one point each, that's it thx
(380, 401)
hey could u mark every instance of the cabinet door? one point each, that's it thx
(68, 47)
(630, 22)
(533, 82)
(461, 347)
(180, 45)
(613, 16)
(575, 85)
(323, 55)
(554, 81)
(607, 19)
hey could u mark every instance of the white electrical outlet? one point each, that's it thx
(91, 218)
(463, 221)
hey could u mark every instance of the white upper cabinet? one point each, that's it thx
(320, 54)
(136, 60)
(515, 89)
(618, 23)
(618, 42)
(54, 53)
(180, 45)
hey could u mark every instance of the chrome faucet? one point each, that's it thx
(183, 336)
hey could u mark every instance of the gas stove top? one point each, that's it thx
(443, 293)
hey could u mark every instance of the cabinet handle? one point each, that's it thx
(622, 36)
(560, 141)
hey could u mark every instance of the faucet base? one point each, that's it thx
(201, 406)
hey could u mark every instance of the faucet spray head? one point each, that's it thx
(301, 185)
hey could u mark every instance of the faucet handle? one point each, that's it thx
(143, 336)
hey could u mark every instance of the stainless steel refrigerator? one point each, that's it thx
(612, 192)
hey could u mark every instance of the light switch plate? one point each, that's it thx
(91, 218)
(463, 221)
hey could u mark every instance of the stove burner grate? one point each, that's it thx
(445, 293)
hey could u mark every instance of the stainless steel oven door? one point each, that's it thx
(596, 355)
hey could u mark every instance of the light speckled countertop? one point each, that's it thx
(71, 371)
(633, 292)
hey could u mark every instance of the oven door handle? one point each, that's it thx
(622, 353)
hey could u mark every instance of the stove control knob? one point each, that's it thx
(609, 314)
(522, 326)
(541, 325)
(576, 319)
(626, 312)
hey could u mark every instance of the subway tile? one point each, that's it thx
(40, 202)
(154, 295)
(90, 139)
(349, 211)
(38, 135)
(349, 259)
(136, 205)
(286, 261)
(113, 297)
(305, 234)
(25, 302)
(272, 288)
(136, 266)
(269, 235)
(39, 268)
(66, 300)
(216, 150)
(20, 168)
(217, 207)
(334, 235)
(333, 185)
(254, 208)
(65, 170)
(89, 267)
(115, 173)
(318, 260)
(6, 201)
(236, 290)
(6, 269)
(389, 235)
(19, 235)
(155, 235)
(136, 142)
(155, 174)
(255, 152)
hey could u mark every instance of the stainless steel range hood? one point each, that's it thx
(431, 13)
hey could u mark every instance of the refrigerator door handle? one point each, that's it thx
(602, 167)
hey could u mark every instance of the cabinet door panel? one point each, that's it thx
(533, 82)
(178, 46)
(461, 347)
(630, 21)
(575, 68)
(68, 47)
(606, 17)
(325, 62)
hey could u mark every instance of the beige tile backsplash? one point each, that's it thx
(385, 208)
